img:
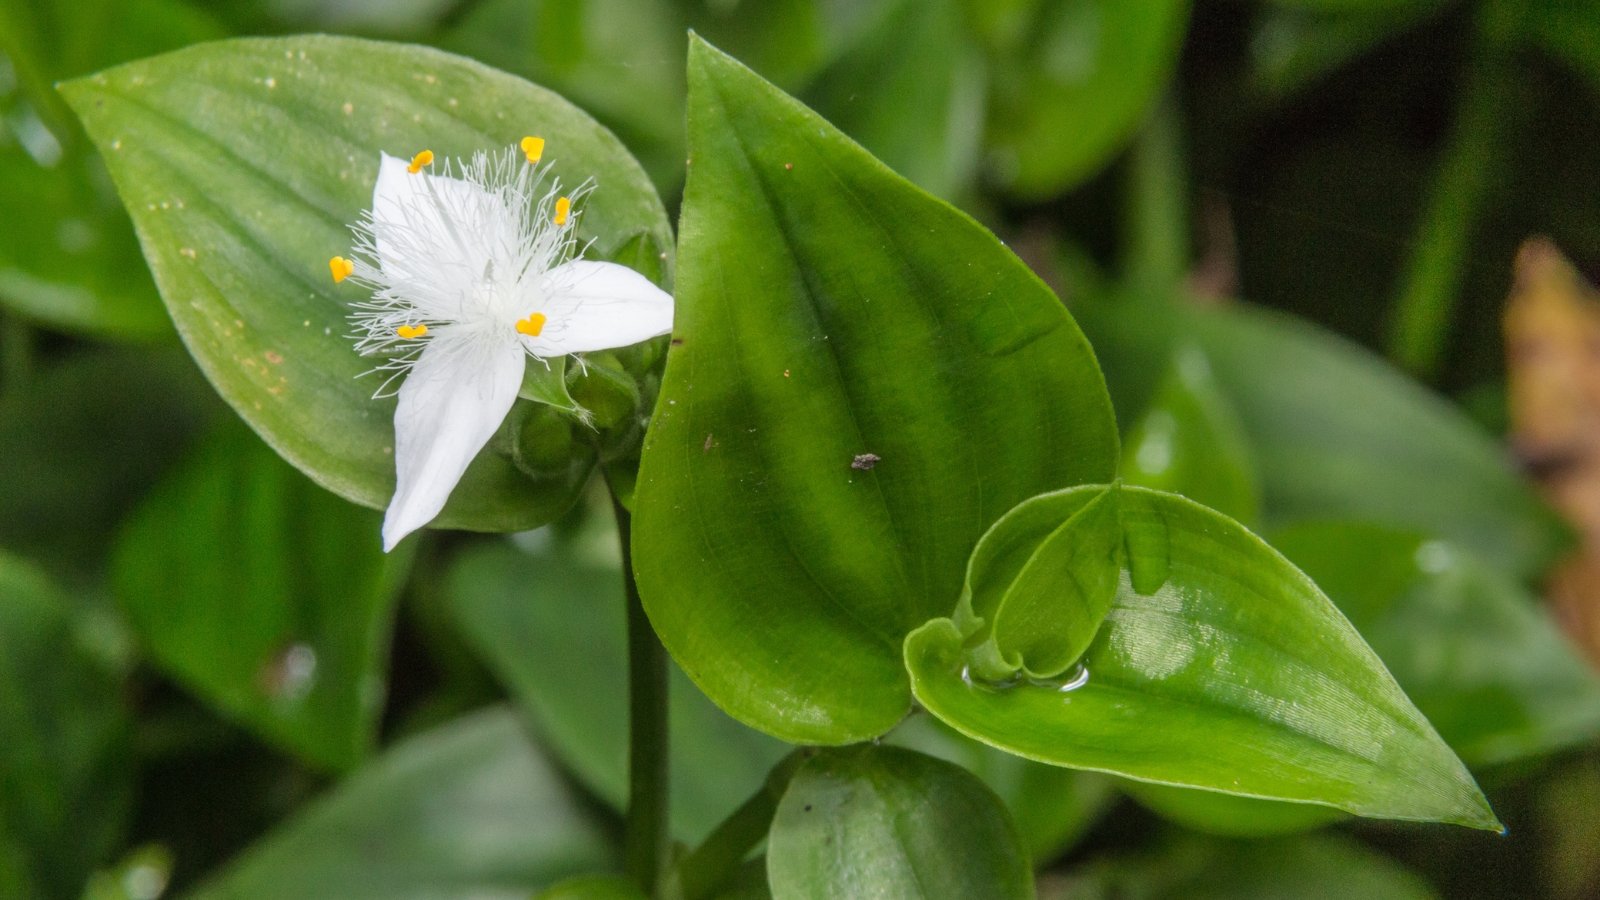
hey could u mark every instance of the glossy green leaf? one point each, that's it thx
(1220, 666)
(244, 162)
(1053, 807)
(1041, 619)
(1190, 442)
(836, 422)
(91, 434)
(266, 596)
(1490, 671)
(551, 624)
(1076, 86)
(875, 821)
(65, 764)
(1474, 650)
(467, 810)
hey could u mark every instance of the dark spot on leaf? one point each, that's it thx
(808, 807)
(864, 461)
(677, 342)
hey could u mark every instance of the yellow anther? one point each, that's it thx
(563, 209)
(532, 325)
(534, 147)
(341, 268)
(411, 332)
(425, 158)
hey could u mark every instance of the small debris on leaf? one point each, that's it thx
(864, 461)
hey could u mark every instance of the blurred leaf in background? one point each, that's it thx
(550, 622)
(66, 770)
(1303, 868)
(266, 595)
(1477, 654)
(76, 266)
(1337, 432)
(901, 76)
(470, 809)
(1072, 80)
(90, 432)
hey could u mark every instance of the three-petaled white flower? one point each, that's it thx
(473, 270)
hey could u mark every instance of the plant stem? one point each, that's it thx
(711, 864)
(645, 837)
(1156, 217)
(1432, 277)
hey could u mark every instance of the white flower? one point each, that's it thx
(473, 270)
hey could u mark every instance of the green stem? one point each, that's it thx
(1156, 224)
(1432, 277)
(714, 862)
(645, 837)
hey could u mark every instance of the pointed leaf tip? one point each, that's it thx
(1226, 670)
(789, 597)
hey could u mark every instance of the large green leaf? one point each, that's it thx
(1490, 671)
(864, 380)
(266, 595)
(1074, 87)
(244, 162)
(1220, 666)
(551, 625)
(884, 822)
(1471, 648)
(65, 764)
(468, 810)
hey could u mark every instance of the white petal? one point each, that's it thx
(597, 306)
(425, 223)
(451, 403)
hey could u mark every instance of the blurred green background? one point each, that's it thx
(203, 655)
